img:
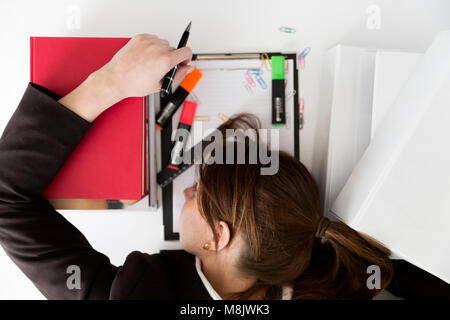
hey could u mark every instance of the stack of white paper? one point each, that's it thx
(348, 82)
(399, 192)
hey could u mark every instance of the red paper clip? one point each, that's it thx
(249, 80)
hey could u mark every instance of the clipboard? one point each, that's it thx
(210, 59)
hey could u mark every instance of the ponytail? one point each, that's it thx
(340, 262)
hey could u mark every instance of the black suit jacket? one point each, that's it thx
(38, 139)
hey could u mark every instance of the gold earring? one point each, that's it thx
(205, 246)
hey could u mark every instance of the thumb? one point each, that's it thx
(183, 70)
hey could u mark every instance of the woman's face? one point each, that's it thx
(194, 230)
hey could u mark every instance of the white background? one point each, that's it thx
(218, 26)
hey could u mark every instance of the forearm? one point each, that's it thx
(96, 94)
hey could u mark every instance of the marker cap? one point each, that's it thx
(277, 67)
(191, 80)
(188, 112)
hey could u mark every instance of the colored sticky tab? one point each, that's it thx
(277, 67)
(191, 80)
(188, 112)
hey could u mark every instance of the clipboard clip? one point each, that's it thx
(224, 56)
(234, 56)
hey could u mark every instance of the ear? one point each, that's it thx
(224, 235)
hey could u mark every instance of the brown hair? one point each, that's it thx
(277, 217)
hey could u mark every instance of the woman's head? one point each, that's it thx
(275, 230)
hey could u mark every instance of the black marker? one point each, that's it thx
(168, 78)
(177, 98)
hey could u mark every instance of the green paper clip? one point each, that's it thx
(287, 30)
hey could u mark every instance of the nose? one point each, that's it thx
(189, 193)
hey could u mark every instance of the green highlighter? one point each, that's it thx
(278, 105)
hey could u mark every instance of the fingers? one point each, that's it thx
(145, 36)
(180, 56)
(163, 42)
(183, 70)
(152, 38)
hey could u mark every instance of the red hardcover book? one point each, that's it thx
(110, 161)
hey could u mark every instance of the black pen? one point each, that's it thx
(168, 78)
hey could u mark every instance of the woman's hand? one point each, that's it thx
(135, 70)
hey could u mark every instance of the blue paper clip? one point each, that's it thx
(261, 82)
(305, 52)
(255, 72)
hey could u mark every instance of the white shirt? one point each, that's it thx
(286, 293)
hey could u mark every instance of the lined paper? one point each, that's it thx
(222, 92)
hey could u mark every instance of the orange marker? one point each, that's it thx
(177, 98)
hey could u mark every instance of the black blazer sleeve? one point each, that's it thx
(38, 139)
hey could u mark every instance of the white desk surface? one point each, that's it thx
(218, 26)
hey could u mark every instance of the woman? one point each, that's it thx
(245, 235)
